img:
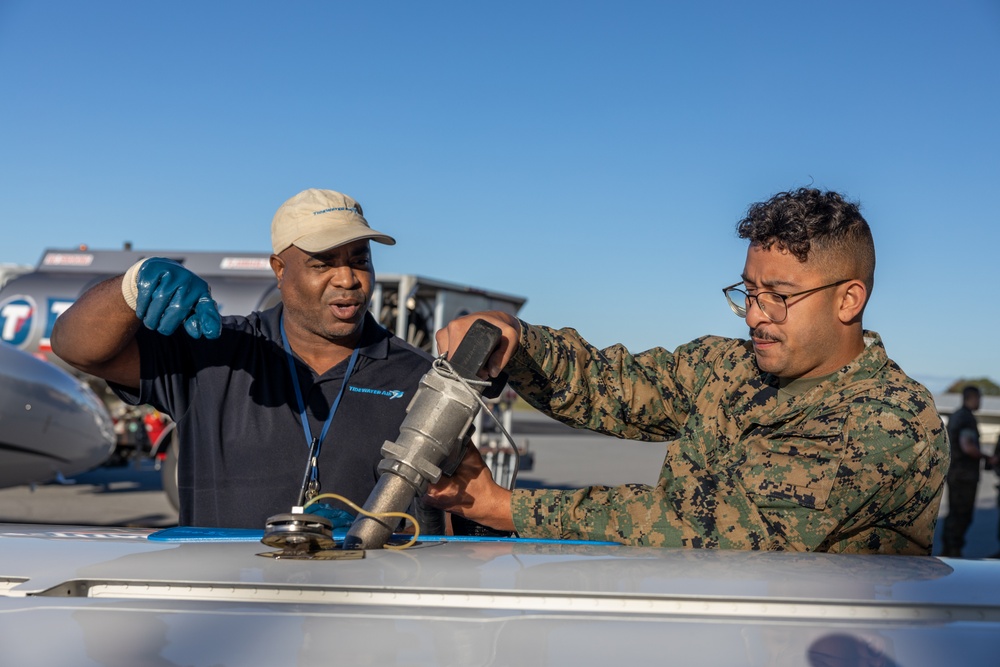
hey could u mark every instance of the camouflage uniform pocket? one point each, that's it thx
(795, 471)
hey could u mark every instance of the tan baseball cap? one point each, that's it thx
(316, 220)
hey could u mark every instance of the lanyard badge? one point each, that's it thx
(310, 484)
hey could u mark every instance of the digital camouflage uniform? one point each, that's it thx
(854, 465)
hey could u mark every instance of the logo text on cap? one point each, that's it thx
(352, 209)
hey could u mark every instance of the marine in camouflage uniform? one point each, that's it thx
(853, 465)
(805, 437)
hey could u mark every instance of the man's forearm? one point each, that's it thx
(561, 374)
(471, 493)
(970, 448)
(495, 512)
(97, 334)
(693, 513)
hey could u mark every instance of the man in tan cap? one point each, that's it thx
(271, 408)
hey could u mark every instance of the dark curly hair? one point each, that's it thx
(812, 224)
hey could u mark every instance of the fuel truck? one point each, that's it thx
(411, 306)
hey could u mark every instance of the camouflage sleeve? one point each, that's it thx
(701, 511)
(645, 396)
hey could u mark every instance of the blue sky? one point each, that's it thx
(593, 157)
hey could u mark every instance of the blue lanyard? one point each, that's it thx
(313, 444)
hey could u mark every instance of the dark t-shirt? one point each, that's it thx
(243, 452)
(962, 420)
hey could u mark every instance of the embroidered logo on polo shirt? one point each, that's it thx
(391, 393)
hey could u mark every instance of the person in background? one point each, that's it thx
(993, 463)
(963, 475)
(803, 437)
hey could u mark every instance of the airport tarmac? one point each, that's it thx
(563, 458)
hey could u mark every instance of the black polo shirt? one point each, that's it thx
(962, 463)
(243, 452)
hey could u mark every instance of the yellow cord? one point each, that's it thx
(400, 515)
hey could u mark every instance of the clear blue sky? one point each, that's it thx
(593, 157)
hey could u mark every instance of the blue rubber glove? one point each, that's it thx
(170, 295)
(338, 518)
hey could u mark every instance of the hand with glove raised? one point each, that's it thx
(165, 295)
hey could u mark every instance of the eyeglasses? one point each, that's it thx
(773, 305)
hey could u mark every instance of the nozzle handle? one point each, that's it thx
(475, 349)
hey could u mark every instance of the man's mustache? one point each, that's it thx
(763, 334)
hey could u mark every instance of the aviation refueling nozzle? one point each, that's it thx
(432, 436)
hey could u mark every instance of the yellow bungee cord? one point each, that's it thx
(373, 515)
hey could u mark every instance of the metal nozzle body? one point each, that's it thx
(430, 441)
(430, 438)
